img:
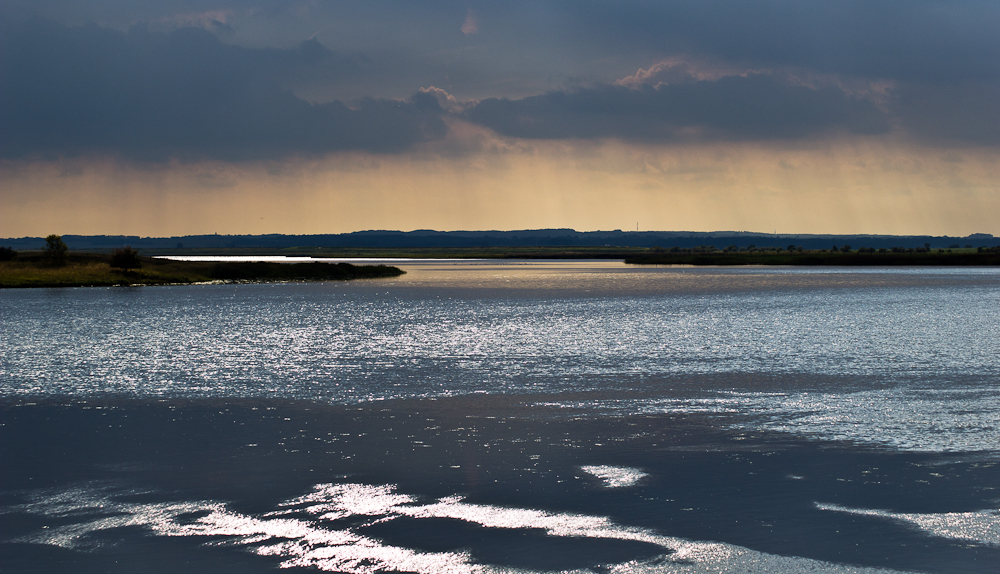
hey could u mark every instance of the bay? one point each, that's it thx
(518, 417)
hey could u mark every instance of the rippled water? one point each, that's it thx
(616, 374)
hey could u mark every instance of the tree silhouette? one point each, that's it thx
(55, 249)
(125, 259)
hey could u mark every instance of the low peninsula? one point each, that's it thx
(96, 270)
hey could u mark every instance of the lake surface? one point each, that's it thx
(524, 416)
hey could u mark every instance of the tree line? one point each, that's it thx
(55, 253)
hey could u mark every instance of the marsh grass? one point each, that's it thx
(91, 273)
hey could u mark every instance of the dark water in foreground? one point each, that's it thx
(545, 418)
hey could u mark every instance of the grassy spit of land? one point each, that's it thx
(93, 269)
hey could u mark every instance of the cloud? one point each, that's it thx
(964, 114)
(707, 70)
(734, 107)
(445, 100)
(471, 24)
(925, 41)
(152, 96)
(674, 70)
(209, 20)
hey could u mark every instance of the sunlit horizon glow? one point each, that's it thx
(168, 120)
(843, 188)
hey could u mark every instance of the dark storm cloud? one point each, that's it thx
(964, 114)
(154, 96)
(732, 108)
(909, 40)
(540, 68)
(929, 41)
(941, 58)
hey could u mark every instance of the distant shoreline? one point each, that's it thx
(912, 258)
(570, 239)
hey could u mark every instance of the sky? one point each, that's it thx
(181, 117)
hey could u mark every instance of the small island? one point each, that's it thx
(56, 266)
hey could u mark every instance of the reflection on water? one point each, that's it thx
(615, 476)
(359, 341)
(959, 419)
(321, 530)
(473, 484)
(982, 527)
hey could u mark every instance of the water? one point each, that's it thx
(518, 417)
